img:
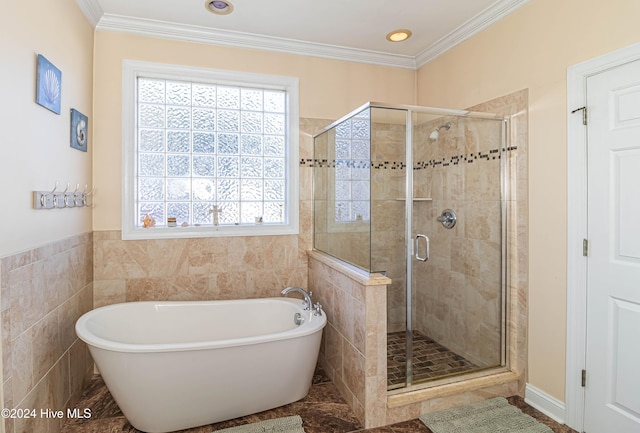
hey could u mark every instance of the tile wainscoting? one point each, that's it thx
(44, 291)
(195, 269)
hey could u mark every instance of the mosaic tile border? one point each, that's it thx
(493, 154)
(350, 163)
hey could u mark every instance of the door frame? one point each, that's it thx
(577, 225)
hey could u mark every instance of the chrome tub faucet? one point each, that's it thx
(307, 296)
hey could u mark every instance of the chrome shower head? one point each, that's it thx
(436, 132)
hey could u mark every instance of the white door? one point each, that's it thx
(612, 393)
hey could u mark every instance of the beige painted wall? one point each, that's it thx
(328, 89)
(34, 142)
(34, 154)
(532, 48)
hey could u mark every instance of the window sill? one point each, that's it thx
(208, 231)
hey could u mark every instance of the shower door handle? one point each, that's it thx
(426, 252)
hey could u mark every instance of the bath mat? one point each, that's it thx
(490, 416)
(289, 424)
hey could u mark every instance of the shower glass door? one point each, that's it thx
(456, 266)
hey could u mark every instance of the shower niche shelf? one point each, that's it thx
(416, 199)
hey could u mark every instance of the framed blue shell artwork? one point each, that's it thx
(79, 130)
(48, 85)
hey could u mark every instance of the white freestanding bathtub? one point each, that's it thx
(175, 365)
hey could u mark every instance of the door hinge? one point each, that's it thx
(584, 114)
(584, 378)
(585, 247)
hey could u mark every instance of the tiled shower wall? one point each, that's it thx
(44, 292)
(208, 268)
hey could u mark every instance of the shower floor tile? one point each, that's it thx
(430, 359)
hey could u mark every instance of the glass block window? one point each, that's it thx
(353, 165)
(210, 154)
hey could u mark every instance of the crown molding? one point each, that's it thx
(162, 29)
(489, 16)
(91, 10)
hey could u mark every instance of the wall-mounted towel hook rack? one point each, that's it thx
(55, 199)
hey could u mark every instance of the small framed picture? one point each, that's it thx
(48, 85)
(79, 130)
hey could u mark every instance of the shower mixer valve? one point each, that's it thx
(448, 218)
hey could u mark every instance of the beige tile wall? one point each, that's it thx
(195, 269)
(44, 292)
(354, 341)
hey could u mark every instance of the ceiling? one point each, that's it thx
(343, 29)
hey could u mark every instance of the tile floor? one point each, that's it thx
(322, 411)
(430, 359)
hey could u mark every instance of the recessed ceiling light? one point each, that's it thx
(220, 7)
(399, 35)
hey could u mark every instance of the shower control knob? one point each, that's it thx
(448, 218)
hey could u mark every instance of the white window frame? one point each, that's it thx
(131, 70)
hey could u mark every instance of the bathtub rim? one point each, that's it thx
(311, 325)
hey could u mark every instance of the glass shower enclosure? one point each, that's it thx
(418, 193)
